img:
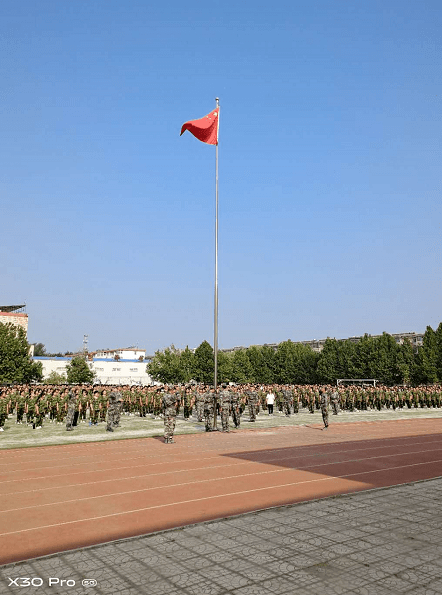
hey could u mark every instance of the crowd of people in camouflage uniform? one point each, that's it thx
(63, 404)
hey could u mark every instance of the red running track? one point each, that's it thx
(58, 498)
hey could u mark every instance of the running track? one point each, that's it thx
(63, 497)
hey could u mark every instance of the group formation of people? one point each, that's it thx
(63, 404)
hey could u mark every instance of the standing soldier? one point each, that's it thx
(32, 411)
(187, 402)
(252, 400)
(295, 401)
(72, 407)
(39, 411)
(169, 402)
(119, 409)
(224, 401)
(113, 412)
(4, 410)
(324, 406)
(287, 403)
(335, 402)
(199, 404)
(311, 402)
(20, 402)
(94, 409)
(102, 407)
(236, 408)
(209, 409)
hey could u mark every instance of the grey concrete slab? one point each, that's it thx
(386, 541)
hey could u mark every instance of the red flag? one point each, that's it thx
(205, 129)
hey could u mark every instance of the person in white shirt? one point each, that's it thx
(270, 399)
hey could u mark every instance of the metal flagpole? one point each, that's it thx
(215, 325)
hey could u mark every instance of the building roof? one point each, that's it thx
(12, 308)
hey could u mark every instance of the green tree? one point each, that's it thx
(427, 358)
(262, 360)
(347, 360)
(242, 370)
(405, 361)
(78, 372)
(268, 371)
(55, 378)
(439, 351)
(327, 366)
(204, 363)
(39, 350)
(295, 363)
(186, 365)
(383, 359)
(165, 366)
(224, 367)
(15, 362)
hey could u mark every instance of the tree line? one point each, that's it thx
(381, 358)
(17, 366)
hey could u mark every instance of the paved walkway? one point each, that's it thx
(386, 541)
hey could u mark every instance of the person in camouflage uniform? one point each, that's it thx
(199, 404)
(235, 407)
(224, 401)
(335, 402)
(209, 409)
(94, 410)
(169, 401)
(311, 402)
(252, 402)
(295, 401)
(72, 408)
(4, 409)
(113, 412)
(31, 403)
(324, 406)
(39, 410)
(287, 402)
(20, 402)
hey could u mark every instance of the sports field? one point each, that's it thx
(56, 498)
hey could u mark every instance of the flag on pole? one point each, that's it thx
(205, 129)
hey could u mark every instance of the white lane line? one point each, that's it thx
(257, 453)
(144, 509)
(114, 445)
(239, 456)
(201, 481)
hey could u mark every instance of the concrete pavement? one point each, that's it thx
(385, 541)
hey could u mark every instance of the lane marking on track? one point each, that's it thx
(239, 462)
(158, 506)
(239, 459)
(202, 481)
(259, 453)
(106, 445)
(156, 455)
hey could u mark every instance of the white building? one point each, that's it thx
(125, 353)
(15, 315)
(107, 370)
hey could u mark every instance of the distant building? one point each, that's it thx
(14, 315)
(416, 340)
(118, 367)
(125, 353)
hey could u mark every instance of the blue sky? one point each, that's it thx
(329, 170)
